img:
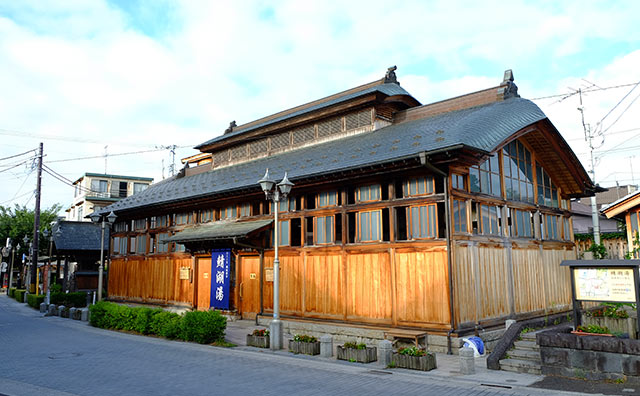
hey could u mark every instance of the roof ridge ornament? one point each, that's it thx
(390, 75)
(508, 89)
(232, 125)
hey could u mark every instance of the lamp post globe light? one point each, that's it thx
(275, 193)
(96, 217)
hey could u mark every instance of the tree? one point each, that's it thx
(18, 221)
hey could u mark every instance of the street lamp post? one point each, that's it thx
(48, 234)
(275, 194)
(111, 218)
(27, 275)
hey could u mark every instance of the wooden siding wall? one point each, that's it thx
(153, 280)
(393, 286)
(493, 282)
(616, 248)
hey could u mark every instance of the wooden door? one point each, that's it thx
(249, 286)
(203, 300)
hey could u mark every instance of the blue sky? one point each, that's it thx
(136, 75)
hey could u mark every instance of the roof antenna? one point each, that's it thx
(390, 76)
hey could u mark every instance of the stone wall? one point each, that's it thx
(589, 357)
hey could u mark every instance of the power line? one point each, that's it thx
(621, 114)
(15, 166)
(111, 155)
(17, 155)
(14, 198)
(617, 104)
(568, 94)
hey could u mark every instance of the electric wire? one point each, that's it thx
(17, 155)
(111, 155)
(66, 180)
(585, 91)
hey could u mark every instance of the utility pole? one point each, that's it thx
(105, 159)
(588, 137)
(36, 227)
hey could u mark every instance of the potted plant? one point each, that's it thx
(592, 330)
(414, 358)
(305, 344)
(259, 338)
(355, 352)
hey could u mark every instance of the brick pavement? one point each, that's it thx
(56, 356)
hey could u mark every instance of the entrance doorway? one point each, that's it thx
(249, 287)
(203, 300)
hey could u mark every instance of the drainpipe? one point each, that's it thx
(447, 215)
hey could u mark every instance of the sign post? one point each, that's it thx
(603, 281)
(220, 270)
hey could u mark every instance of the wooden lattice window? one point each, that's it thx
(330, 127)
(221, 157)
(259, 147)
(239, 152)
(357, 120)
(304, 135)
(281, 140)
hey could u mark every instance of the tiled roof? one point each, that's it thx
(79, 235)
(481, 128)
(388, 89)
(224, 229)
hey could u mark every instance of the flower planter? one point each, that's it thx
(423, 363)
(258, 341)
(582, 333)
(615, 325)
(367, 355)
(307, 348)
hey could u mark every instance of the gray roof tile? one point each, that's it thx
(79, 235)
(482, 128)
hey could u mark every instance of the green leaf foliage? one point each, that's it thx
(202, 327)
(304, 338)
(34, 300)
(77, 299)
(354, 345)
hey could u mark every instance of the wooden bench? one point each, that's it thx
(402, 334)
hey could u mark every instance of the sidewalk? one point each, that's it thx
(449, 370)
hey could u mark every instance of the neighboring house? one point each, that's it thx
(440, 217)
(77, 243)
(627, 208)
(97, 190)
(583, 222)
(611, 194)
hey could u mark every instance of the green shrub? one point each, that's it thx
(203, 327)
(354, 345)
(166, 324)
(12, 292)
(77, 299)
(55, 288)
(304, 338)
(19, 294)
(34, 300)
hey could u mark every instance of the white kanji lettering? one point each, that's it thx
(220, 262)
(219, 293)
(219, 277)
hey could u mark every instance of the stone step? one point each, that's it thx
(531, 336)
(524, 344)
(525, 354)
(520, 366)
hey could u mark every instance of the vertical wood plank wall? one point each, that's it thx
(150, 280)
(481, 284)
(359, 286)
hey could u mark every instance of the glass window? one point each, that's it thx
(485, 178)
(180, 247)
(518, 173)
(284, 205)
(99, 186)
(229, 212)
(183, 218)
(245, 210)
(423, 221)
(141, 244)
(521, 225)
(547, 191)
(140, 224)
(116, 245)
(120, 226)
(132, 245)
(459, 216)
(369, 226)
(206, 215)
(283, 236)
(634, 224)
(551, 227)
(457, 181)
(566, 222)
(324, 229)
(163, 247)
(491, 220)
(139, 187)
(329, 198)
(418, 186)
(369, 193)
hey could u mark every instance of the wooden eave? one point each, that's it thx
(622, 207)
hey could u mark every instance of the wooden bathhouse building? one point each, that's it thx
(439, 217)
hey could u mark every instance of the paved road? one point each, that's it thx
(54, 356)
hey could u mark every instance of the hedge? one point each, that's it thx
(12, 292)
(19, 295)
(77, 299)
(34, 300)
(201, 327)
